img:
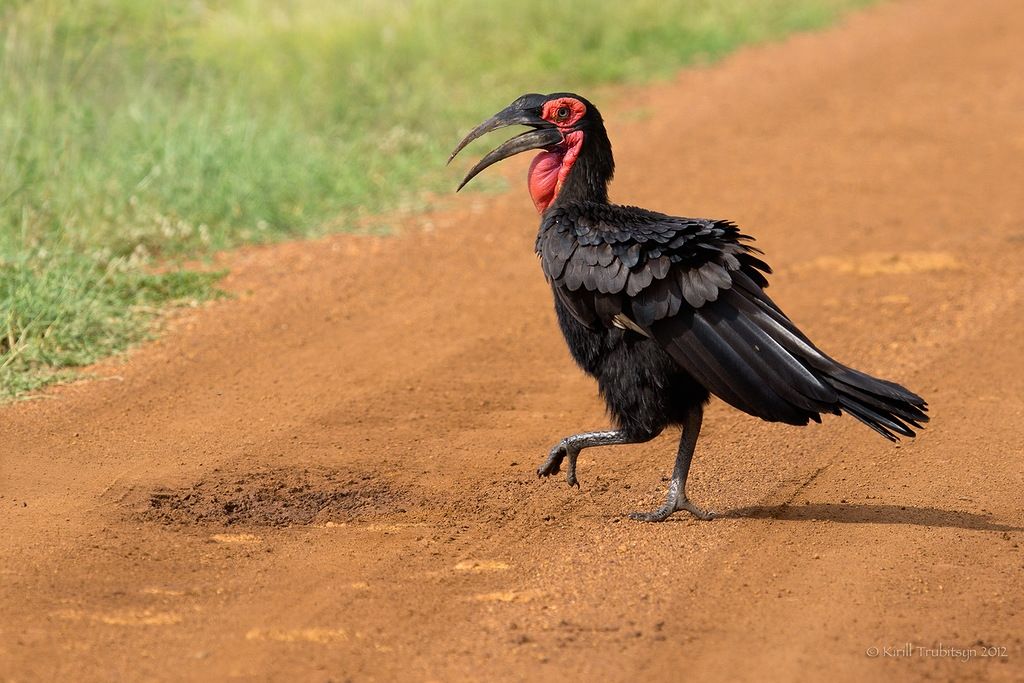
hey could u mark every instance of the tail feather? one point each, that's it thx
(881, 424)
(910, 408)
(745, 350)
(884, 406)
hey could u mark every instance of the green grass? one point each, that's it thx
(135, 133)
(74, 311)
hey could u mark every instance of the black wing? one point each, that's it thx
(697, 287)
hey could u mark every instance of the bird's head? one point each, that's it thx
(569, 129)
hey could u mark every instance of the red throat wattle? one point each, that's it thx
(549, 170)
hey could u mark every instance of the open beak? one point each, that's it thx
(519, 112)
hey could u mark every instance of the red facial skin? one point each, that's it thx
(549, 169)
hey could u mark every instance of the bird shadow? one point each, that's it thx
(854, 513)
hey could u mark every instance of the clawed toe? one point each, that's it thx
(659, 515)
(570, 473)
(666, 510)
(553, 464)
(706, 515)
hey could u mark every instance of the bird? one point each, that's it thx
(665, 311)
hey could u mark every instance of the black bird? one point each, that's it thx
(664, 311)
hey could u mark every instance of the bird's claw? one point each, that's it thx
(553, 464)
(570, 471)
(699, 513)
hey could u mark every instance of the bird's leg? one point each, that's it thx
(571, 446)
(677, 499)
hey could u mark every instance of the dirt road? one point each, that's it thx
(331, 477)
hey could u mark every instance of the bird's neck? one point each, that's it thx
(578, 170)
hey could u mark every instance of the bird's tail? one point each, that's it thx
(886, 407)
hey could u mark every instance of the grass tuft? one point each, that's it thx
(62, 311)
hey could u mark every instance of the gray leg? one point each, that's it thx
(677, 499)
(572, 445)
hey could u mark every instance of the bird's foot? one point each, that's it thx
(671, 505)
(553, 464)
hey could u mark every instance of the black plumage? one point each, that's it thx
(664, 311)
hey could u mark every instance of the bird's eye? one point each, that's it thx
(562, 113)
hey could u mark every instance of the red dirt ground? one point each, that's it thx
(332, 476)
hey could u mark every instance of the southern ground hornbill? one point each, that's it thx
(664, 311)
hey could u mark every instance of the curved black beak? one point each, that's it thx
(521, 112)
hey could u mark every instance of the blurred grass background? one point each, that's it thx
(137, 133)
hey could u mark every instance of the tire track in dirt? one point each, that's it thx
(368, 390)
